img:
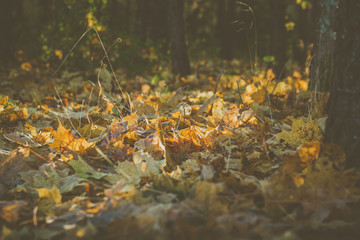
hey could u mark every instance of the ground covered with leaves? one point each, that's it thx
(170, 158)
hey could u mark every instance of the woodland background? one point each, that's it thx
(182, 119)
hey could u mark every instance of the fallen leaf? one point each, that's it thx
(63, 139)
(49, 195)
(84, 170)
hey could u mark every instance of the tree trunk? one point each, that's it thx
(158, 20)
(324, 45)
(6, 25)
(179, 54)
(143, 19)
(343, 124)
(278, 35)
(226, 15)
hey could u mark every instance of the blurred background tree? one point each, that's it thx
(139, 34)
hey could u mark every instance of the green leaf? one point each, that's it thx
(84, 170)
(269, 58)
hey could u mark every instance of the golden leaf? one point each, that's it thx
(51, 195)
(10, 211)
(59, 54)
(26, 66)
(63, 139)
(4, 100)
(309, 152)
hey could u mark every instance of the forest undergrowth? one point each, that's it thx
(170, 157)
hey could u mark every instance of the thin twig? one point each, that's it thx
(72, 49)
(109, 62)
(218, 80)
(238, 87)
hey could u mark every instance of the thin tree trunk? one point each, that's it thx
(343, 124)
(226, 15)
(143, 14)
(179, 53)
(278, 35)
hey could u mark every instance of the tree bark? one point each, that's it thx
(324, 45)
(7, 38)
(143, 19)
(158, 20)
(226, 15)
(278, 35)
(343, 124)
(179, 54)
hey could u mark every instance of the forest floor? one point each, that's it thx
(170, 158)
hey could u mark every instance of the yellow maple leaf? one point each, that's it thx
(63, 139)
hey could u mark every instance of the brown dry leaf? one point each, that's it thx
(142, 108)
(195, 133)
(63, 139)
(146, 164)
(14, 114)
(121, 190)
(231, 118)
(116, 131)
(91, 131)
(219, 109)
(131, 119)
(170, 163)
(313, 177)
(41, 137)
(205, 106)
(183, 109)
(206, 199)
(259, 95)
(179, 148)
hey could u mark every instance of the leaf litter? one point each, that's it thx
(239, 163)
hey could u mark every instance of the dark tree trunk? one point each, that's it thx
(220, 18)
(179, 54)
(143, 19)
(7, 28)
(158, 20)
(324, 45)
(278, 34)
(226, 15)
(46, 12)
(114, 10)
(128, 14)
(343, 124)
